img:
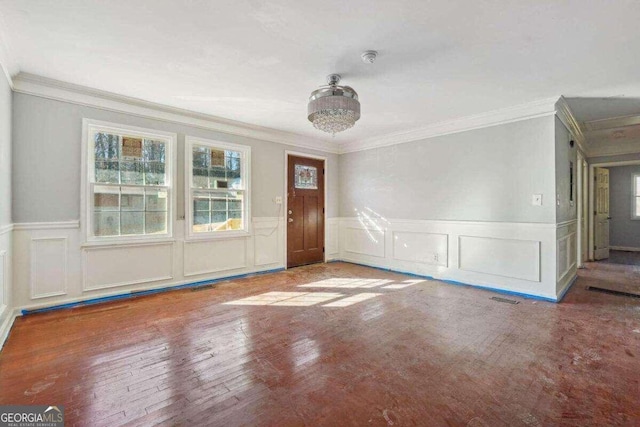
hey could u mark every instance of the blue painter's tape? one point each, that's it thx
(453, 282)
(133, 294)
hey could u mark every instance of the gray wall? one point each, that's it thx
(565, 210)
(5, 151)
(47, 150)
(485, 174)
(623, 230)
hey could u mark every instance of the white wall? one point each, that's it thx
(53, 265)
(5, 208)
(624, 231)
(487, 174)
(459, 207)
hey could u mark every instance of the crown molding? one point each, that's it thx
(564, 113)
(68, 92)
(540, 108)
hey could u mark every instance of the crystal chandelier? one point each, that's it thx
(334, 108)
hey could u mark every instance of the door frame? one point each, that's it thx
(580, 168)
(592, 168)
(285, 199)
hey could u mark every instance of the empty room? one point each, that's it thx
(281, 213)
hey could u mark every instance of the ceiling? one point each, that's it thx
(257, 61)
(610, 125)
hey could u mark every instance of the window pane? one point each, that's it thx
(106, 223)
(638, 206)
(106, 155)
(131, 223)
(154, 162)
(131, 172)
(213, 211)
(132, 199)
(156, 222)
(637, 185)
(156, 201)
(106, 198)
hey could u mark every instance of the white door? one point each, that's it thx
(602, 214)
(584, 213)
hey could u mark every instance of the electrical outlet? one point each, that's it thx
(536, 200)
(278, 200)
(434, 258)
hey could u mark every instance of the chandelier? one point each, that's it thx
(334, 108)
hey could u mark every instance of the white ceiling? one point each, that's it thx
(257, 61)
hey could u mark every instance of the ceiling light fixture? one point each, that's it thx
(333, 108)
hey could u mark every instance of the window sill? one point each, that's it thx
(128, 242)
(218, 236)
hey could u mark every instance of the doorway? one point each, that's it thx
(305, 210)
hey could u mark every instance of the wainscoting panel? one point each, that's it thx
(115, 266)
(566, 254)
(332, 246)
(426, 248)
(365, 241)
(267, 242)
(213, 256)
(516, 259)
(4, 272)
(48, 268)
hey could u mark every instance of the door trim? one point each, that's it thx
(285, 201)
(592, 225)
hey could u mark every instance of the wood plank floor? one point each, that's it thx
(413, 353)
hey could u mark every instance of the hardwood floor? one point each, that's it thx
(623, 257)
(412, 353)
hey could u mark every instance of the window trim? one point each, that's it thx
(189, 143)
(634, 197)
(87, 168)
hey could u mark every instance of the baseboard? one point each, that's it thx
(79, 302)
(624, 248)
(6, 326)
(568, 286)
(455, 282)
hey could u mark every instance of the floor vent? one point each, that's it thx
(201, 288)
(508, 301)
(612, 292)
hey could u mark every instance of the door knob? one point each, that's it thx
(290, 219)
(290, 211)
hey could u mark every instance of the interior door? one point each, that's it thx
(601, 214)
(305, 211)
(584, 213)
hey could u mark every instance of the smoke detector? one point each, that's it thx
(369, 56)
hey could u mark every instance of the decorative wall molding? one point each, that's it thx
(7, 324)
(54, 89)
(267, 241)
(105, 267)
(6, 229)
(48, 268)
(510, 258)
(214, 256)
(9, 67)
(62, 91)
(564, 113)
(60, 225)
(531, 110)
(4, 270)
(513, 257)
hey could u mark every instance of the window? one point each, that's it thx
(217, 187)
(128, 182)
(635, 201)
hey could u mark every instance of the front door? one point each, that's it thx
(305, 211)
(602, 214)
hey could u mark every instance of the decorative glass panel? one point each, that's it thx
(306, 177)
